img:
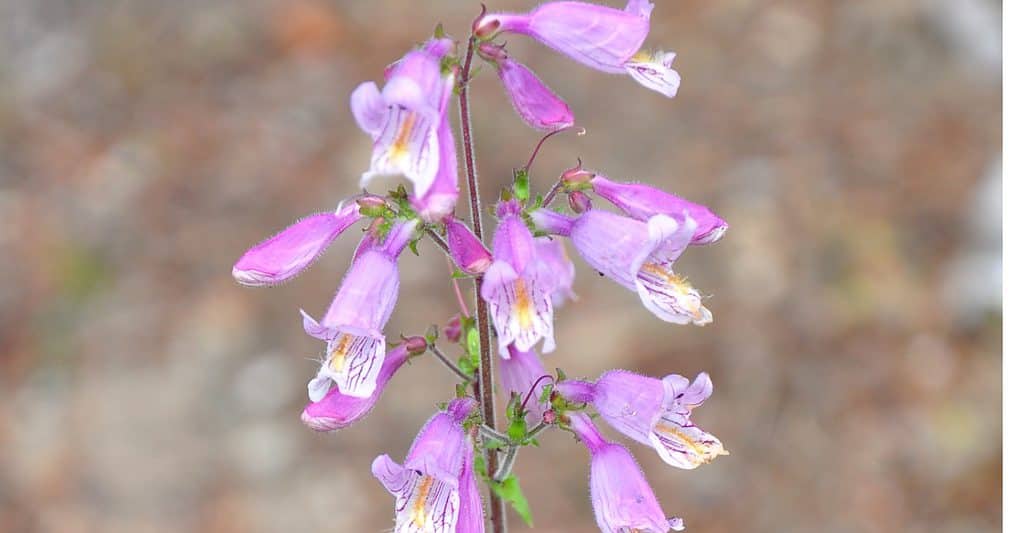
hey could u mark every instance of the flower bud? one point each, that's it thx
(469, 254)
(549, 416)
(486, 26)
(492, 52)
(415, 345)
(576, 179)
(453, 329)
(579, 202)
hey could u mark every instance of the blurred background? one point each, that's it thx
(854, 147)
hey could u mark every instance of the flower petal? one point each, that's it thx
(368, 108)
(285, 255)
(655, 73)
(682, 444)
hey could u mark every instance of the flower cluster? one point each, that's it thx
(521, 278)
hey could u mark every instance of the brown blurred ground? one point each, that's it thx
(852, 145)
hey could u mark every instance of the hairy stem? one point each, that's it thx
(448, 363)
(485, 379)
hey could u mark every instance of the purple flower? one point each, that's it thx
(428, 487)
(468, 253)
(654, 412)
(352, 325)
(551, 255)
(637, 255)
(471, 508)
(518, 290)
(643, 202)
(407, 118)
(337, 410)
(623, 501)
(539, 107)
(283, 256)
(439, 200)
(519, 372)
(597, 36)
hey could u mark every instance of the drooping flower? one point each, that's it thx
(654, 412)
(539, 107)
(519, 372)
(471, 508)
(518, 290)
(600, 37)
(637, 255)
(551, 255)
(427, 486)
(407, 119)
(285, 255)
(622, 499)
(468, 253)
(440, 198)
(642, 202)
(353, 323)
(337, 410)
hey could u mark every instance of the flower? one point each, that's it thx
(517, 290)
(519, 372)
(637, 255)
(468, 253)
(471, 508)
(337, 410)
(407, 118)
(622, 499)
(429, 487)
(352, 325)
(285, 255)
(551, 255)
(439, 200)
(654, 412)
(538, 106)
(642, 202)
(600, 37)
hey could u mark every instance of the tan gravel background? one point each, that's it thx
(853, 146)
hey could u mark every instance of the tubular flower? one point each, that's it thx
(471, 508)
(285, 255)
(643, 202)
(406, 118)
(538, 106)
(600, 37)
(518, 290)
(518, 373)
(637, 255)
(337, 410)
(440, 198)
(427, 486)
(468, 253)
(352, 325)
(551, 255)
(622, 499)
(654, 412)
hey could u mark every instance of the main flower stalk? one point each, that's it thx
(485, 379)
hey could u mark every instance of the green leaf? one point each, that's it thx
(517, 430)
(521, 185)
(466, 365)
(561, 375)
(473, 345)
(545, 394)
(480, 464)
(510, 491)
(493, 444)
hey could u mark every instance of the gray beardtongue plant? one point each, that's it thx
(519, 281)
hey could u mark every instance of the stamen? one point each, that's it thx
(340, 352)
(524, 305)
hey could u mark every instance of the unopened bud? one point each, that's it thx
(372, 206)
(576, 179)
(486, 26)
(579, 202)
(453, 329)
(415, 345)
(549, 416)
(492, 52)
(469, 254)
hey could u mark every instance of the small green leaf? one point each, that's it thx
(561, 375)
(480, 464)
(545, 394)
(517, 430)
(473, 345)
(521, 185)
(493, 444)
(510, 491)
(466, 365)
